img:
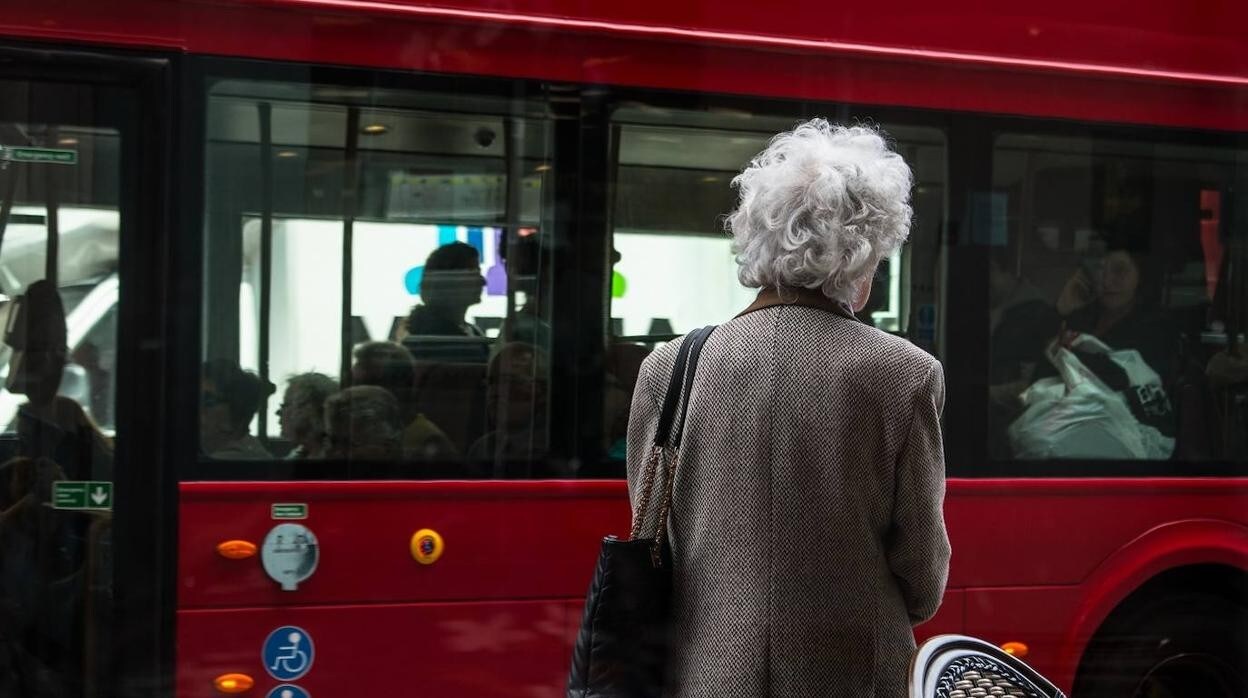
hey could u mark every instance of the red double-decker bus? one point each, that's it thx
(350, 298)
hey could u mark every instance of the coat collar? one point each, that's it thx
(806, 297)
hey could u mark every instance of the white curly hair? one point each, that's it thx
(819, 208)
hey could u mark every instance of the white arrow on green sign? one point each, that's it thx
(52, 156)
(82, 494)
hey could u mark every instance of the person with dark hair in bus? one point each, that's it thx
(1118, 302)
(302, 413)
(50, 425)
(388, 365)
(363, 422)
(806, 522)
(515, 403)
(1021, 325)
(450, 285)
(229, 399)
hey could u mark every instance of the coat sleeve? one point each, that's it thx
(643, 418)
(918, 546)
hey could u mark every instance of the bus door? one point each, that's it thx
(70, 173)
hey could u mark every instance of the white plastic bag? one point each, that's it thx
(1076, 415)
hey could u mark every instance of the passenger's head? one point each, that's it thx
(229, 400)
(38, 338)
(363, 422)
(301, 413)
(1122, 271)
(516, 380)
(818, 209)
(452, 276)
(385, 365)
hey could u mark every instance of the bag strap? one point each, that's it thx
(691, 347)
(678, 390)
(695, 352)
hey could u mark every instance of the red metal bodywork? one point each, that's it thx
(1037, 561)
(1163, 63)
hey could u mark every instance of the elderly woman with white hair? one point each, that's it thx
(806, 520)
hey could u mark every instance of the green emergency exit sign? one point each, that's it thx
(289, 510)
(82, 494)
(52, 156)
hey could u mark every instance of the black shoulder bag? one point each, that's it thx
(621, 649)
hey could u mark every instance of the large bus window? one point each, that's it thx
(377, 278)
(1109, 300)
(673, 265)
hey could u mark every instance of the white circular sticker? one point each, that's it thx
(289, 554)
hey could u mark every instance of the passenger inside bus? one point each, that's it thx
(302, 414)
(389, 366)
(50, 425)
(1022, 324)
(363, 422)
(515, 402)
(229, 400)
(1117, 300)
(623, 363)
(450, 284)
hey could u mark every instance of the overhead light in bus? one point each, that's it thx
(542, 168)
(286, 154)
(375, 129)
(710, 179)
(68, 140)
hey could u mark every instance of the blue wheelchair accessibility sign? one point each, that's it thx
(287, 691)
(288, 655)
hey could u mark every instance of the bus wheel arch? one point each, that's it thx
(1181, 627)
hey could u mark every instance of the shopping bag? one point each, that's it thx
(1078, 415)
(622, 646)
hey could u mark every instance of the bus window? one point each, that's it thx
(1109, 319)
(673, 265)
(377, 278)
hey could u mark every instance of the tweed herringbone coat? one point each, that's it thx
(806, 525)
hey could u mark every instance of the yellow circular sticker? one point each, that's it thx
(426, 546)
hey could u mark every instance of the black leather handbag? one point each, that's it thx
(621, 649)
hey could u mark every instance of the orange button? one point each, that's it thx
(236, 549)
(233, 683)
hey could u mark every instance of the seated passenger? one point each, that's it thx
(451, 284)
(1116, 307)
(515, 403)
(388, 365)
(623, 365)
(1022, 324)
(229, 399)
(302, 413)
(363, 423)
